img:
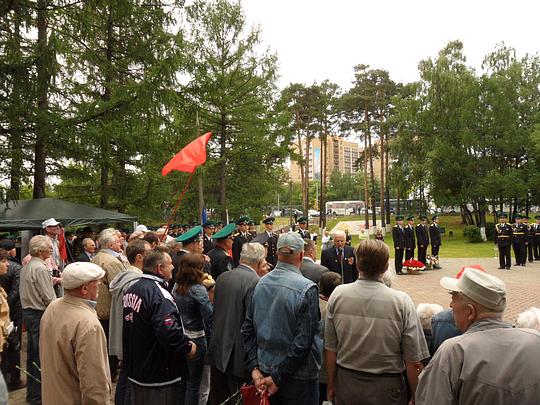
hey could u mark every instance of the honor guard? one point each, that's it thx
(520, 231)
(302, 225)
(422, 239)
(220, 261)
(503, 240)
(208, 228)
(241, 237)
(398, 234)
(410, 241)
(271, 244)
(537, 238)
(530, 238)
(435, 239)
(251, 228)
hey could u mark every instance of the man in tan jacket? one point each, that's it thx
(75, 367)
(108, 259)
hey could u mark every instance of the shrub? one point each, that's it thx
(472, 234)
(490, 231)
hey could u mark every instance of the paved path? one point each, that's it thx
(522, 284)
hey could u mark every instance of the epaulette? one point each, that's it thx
(395, 226)
(236, 234)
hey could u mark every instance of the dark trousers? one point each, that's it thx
(422, 253)
(31, 319)
(435, 250)
(398, 260)
(195, 370)
(356, 387)
(172, 394)
(121, 395)
(223, 385)
(297, 392)
(537, 248)
(11, 357)
(520, 252)
(530, 251)
(505, 258)
(113, 360)
(409, 254)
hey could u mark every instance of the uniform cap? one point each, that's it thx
(503, 215)
(482, 288)
(80, 273)
(209, 224)
(242, 220)
(269, 220)
(302, 220)
(290, 240)
(190, 236)
(434, 217)
(225, 232)
(7, 244)
(49, 222)
(422, 217)
(410, 218)
(399, 217)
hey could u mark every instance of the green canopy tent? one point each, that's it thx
(29, 214)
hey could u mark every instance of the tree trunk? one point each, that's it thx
(322, 206)
(305, 192)
(383, 181)
(371, 172)
(366, 192)
(387, 176)
(43, 78)
(223, 167)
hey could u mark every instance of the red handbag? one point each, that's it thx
(250, 396)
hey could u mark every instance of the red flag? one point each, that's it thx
(191, 156)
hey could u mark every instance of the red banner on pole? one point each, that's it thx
(190, 157)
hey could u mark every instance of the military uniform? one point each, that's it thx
(303, 233)
(530, 241)
(422, 240)
(435, 239)
(537, 238)
(271, 243)
(503, 240)
(520, 232)
(208, 244)
(398, 235)
(410, 240)
(220, 260)
(239, 239)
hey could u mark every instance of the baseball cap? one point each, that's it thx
(483, 288)
(49, 222)
(291, 240)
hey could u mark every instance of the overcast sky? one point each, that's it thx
(317, 40)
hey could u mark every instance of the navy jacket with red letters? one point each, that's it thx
(155, 345)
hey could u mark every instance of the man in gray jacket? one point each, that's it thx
(309, 268)
(491, 363)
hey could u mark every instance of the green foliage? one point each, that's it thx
(471, 233)
(490, 231)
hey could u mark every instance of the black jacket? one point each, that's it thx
(348, 272)
(435, 235)
(422, 235)
(239, 241)
(208, 244)
(10, 283)
(155, 346)
(410, 241)
(503, 234)
(220, 262)
(399, 237)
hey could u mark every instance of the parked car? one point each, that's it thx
(314, 213)
(363, 211)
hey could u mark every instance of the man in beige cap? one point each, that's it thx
(75, 367)
(491, 362)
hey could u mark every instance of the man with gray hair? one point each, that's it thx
(108, 258)
(309, 268)
(281, 331)
(340, 259)
(88, 250)
(232, 296)
(491, 362)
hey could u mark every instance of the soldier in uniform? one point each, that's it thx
(537, 238)
(399, 243)
(218, 226)
(503, 239)
(422, 239)
(520, 231)
(241, 237)
(271, 244)
(410, 241)
(435, 239)
(302, 225)
(220, 261)
(208, 228)
(530, 239)
(251, 228)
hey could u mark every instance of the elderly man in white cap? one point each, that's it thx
(75, 367)
(491, 363)
(281, 330)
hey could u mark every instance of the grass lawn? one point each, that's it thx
(453, 244)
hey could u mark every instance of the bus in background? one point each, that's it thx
(344, 207)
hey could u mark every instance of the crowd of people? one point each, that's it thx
(190, 315)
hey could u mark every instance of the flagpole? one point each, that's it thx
(173, 214)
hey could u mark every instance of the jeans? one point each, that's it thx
(195, 369)
(31, 319)
(297, 392)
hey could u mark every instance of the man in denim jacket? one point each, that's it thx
(281, 330)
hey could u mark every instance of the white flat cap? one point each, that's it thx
(79, 273)
(49, 222)
(142, 228)
(483, 288)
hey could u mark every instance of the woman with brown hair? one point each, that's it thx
(196, 310)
